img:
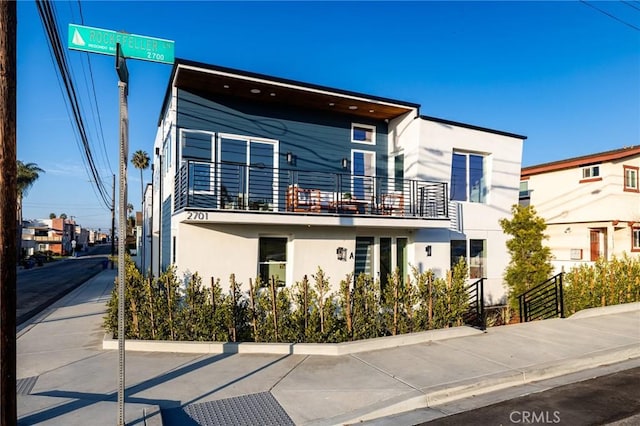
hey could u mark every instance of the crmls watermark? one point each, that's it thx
(534, 417)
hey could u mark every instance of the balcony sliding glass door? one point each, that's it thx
(246, 175)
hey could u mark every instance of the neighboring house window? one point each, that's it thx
(273, 260)
(635, 238)
(631, 179)
(468, 182)
(590, 173)
(362, 133)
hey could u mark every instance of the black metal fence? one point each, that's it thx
(233, 187)
(542, 301)
(475, 316)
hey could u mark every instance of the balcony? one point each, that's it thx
(48, 238)
(232, 187)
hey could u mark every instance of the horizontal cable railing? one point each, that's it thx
(236, 186)
(543, 301)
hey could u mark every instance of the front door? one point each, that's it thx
(594, 236)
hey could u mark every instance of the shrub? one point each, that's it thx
(603, 284)
(165, 308)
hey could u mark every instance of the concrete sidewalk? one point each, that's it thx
(64, 377)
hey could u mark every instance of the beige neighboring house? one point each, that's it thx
(591, 205)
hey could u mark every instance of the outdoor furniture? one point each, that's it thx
(302, 199)
(393, 204)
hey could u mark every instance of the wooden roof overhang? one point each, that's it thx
(219, 81)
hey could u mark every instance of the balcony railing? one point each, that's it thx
(239, 187)
(52, 238)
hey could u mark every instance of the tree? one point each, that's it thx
(140, 160)
(26, 175)
(530, 262)
(52, 216)
(63, 215)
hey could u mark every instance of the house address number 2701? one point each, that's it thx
(197, 216)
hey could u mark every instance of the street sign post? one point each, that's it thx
(122, 46)
(97, 40)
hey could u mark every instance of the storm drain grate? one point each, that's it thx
(24, 386)
(254, 409)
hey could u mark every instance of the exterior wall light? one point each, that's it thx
(345, 163)
(289, 158)
(427, 249)
(341, 253)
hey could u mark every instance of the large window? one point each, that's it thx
(273, 260)
(468, 181)
(458, 251)
(631, 179)
(247, 175)
(477, 258)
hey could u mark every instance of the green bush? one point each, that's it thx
(167, 308)
(604, 283)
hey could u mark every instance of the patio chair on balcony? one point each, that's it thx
(303, 199)
(392, 204)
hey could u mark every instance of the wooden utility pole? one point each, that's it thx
(8, 228)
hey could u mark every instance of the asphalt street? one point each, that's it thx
(599, 401)
(40, 286)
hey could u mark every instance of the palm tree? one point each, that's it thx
(140, 160)
(26, 176)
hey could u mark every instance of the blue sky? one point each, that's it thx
(562, 73)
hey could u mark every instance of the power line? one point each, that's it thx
(630, 5)
(610, 15)
(48, 18)
(95, 100)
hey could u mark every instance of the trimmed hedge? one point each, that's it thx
(604, 283)
(190, 309)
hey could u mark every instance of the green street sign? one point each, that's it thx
(96, 40)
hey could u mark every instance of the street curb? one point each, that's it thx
(327, 349)
(434, 397)
(606, 310)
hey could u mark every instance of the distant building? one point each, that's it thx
(591, 205)
(54, 235)
(261, 176)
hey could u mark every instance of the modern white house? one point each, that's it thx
(261, 176)
(591, 205)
